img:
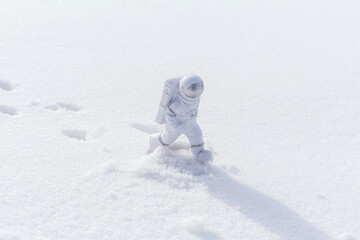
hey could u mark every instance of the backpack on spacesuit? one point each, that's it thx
(169, 93)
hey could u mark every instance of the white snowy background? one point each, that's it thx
(80, 84)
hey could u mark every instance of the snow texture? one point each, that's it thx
(80, 84)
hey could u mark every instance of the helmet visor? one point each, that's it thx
(194, 90)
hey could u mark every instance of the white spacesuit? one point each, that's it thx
(178, 110)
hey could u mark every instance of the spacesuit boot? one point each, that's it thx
(201, 154)
(204, 156)
(155, 142)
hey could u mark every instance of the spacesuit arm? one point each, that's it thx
(172, 120)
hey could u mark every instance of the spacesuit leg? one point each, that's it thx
(169, 135)
(163, 138)
(196, 140)
(195, 137)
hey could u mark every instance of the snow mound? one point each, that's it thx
(177, 168)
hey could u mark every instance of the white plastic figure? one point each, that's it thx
(178, 110)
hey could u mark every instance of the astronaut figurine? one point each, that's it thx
(178, 110)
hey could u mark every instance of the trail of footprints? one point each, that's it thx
(5, 109)
(71, 133)
(77, 134)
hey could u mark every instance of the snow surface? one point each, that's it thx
(80, 84)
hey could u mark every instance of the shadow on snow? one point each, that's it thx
(268, 212)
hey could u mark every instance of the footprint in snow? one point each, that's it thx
(8, 110)
(75, 133)
(62, 105)
(4, 109)
(81, 134)
(6, 86)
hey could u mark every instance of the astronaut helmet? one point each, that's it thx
(191, 86)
